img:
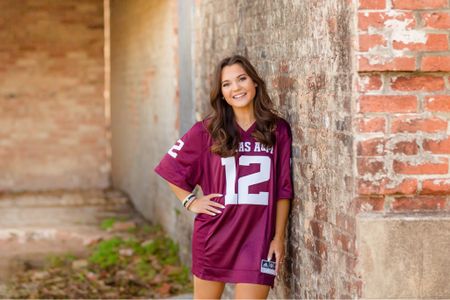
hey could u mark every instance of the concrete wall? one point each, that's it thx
(145, 107)
(52, 118)
(302, 49)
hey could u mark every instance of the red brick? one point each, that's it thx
(386, 64)
(345, 222)
(401, 167)
(418, 83)
(369, 166)
(378, 19)
(435, 42)
(406, 148)
(437, 146)
(343, 241)
(435, 63)
(436, 186)
(369, 83)
(368, 41)
(438, 20)
(384, 103)
(418, 203)
(367, 204)
(438, 103)
(386, 186)
(372, 124)
(405, 124)
(372, 147)
(419, 4)
(372, 4)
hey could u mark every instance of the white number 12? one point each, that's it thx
(243, 196)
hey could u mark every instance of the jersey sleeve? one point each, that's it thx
(181, 165)
(284, 159)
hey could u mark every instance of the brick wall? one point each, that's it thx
(303, 50)
(403, 106)
(52, 124)
(402, 147)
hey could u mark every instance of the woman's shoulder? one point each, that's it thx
(199, 127)
(283, 126)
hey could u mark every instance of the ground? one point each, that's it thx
(84, 244)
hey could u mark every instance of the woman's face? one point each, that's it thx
(237, 87)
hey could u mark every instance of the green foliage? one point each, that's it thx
(106, 253)
(108, 223)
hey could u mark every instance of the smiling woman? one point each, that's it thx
(240, 156)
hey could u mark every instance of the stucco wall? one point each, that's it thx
(145, 108)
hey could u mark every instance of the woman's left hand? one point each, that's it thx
(277, 248)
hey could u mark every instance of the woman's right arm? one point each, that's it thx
(202, 205)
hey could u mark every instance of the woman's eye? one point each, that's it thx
(225, 85)
(243, 78)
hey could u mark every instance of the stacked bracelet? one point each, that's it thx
(188, 200)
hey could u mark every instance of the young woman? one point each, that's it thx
(240, 156)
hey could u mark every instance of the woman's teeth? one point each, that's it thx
(239, 96)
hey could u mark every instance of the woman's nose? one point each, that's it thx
(235, 86)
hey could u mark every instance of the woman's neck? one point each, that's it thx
(244, 118)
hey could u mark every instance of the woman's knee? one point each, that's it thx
(207, 289)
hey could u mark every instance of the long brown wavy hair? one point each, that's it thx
(222, 123)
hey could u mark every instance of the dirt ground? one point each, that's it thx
(85, 245)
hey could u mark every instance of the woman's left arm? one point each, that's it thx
(277, 244)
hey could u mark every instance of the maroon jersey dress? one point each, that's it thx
(229, 247)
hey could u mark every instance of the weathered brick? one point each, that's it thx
(387, 186)
(435, 63)
(406, 148)
(372, 4)
(419, 4)
(380, 63)
(437, 146)
(440, 167)
(387, 103)
(379, 19)
(417, 83)
(436, 186)
(368, 41)
(434, 42)
(438, 20)
(418, 203)
(371, 124)
(369, 166)
(407, 124)
(366, 203)
(369, 83)
(371, 147)
(438, 103)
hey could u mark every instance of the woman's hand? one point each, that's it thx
(204, 205)
(277, 248)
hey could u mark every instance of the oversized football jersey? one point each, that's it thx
(229, 247)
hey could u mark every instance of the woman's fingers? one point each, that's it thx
(213, 196)
(217, 204)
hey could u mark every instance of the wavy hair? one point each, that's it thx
(222, 123)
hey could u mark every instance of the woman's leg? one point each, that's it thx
(251, 291)
(206, 289)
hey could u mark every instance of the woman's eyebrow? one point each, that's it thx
(243, 74)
